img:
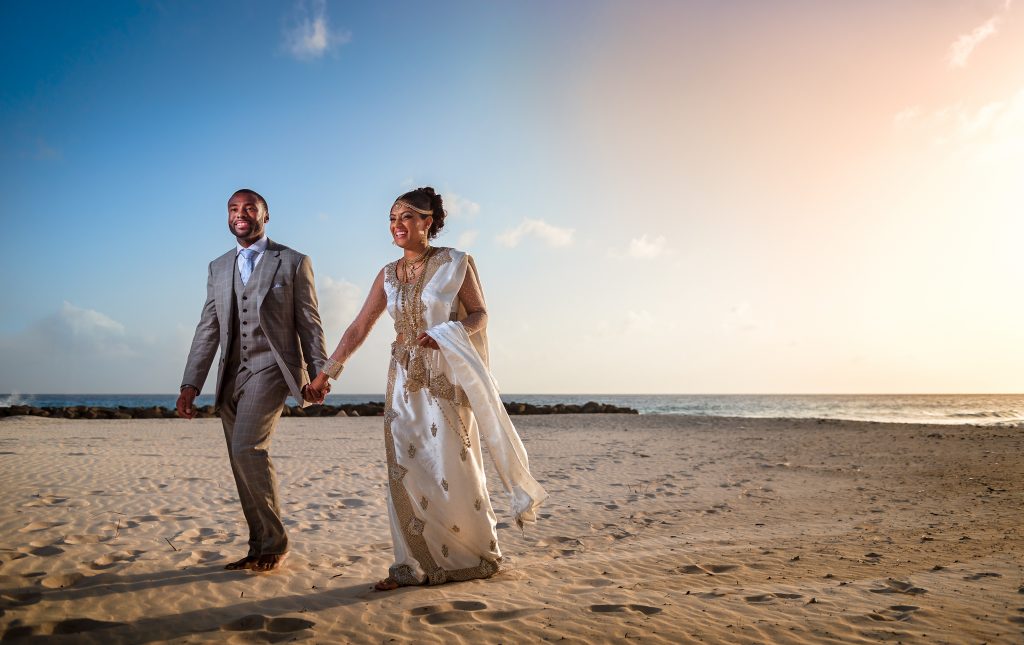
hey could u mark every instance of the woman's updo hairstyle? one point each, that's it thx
(426, 202)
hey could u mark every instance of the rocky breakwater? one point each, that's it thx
(371, 409)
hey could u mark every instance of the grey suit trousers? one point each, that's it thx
(250, 406)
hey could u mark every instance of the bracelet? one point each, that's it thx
(332, 368)
(191, 386)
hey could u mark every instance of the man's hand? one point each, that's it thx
(314, 394)
(185, 400)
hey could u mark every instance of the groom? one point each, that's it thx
(261, 310)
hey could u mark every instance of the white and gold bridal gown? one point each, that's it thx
(440, 404)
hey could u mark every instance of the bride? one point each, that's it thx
(441, 402)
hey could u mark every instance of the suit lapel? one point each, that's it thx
(266, 270)
(224, 283)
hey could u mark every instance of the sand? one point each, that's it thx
(658, 529)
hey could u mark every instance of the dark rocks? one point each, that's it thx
(590, 407)
(369, 409)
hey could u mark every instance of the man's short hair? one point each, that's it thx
(259, 198)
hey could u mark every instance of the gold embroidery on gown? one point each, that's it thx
(418, 379)
(410, 324)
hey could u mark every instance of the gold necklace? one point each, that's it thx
(411, 298)
(409, 267)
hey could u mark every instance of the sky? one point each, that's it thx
(661, 197)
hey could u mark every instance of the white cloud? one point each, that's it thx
(962, 48)
(340, 301)
(310, 36)
(83, 350)
(907, 116)
(550, 235)
(960, 123)
(467, 238)
(458, 206)
(74, 328)
(643, 248)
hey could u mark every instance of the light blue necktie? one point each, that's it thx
(249, 261)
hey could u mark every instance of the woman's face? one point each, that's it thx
(409, 228)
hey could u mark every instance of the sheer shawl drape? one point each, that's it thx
(467, 354)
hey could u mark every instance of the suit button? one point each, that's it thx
(245, 360)
(245, 297)
(244, 347)
(245, 311)
(244, 334)
(244, 322)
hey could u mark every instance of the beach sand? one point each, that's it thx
(659, 529)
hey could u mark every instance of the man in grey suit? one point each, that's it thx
(261, 311)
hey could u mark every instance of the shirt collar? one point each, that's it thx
(259, 246)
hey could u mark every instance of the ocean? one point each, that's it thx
(978, 409)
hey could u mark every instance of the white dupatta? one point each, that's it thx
(467, 357)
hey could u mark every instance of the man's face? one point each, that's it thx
(246, 218)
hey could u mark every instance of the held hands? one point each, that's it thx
(317, 390)
(423, 340)
(185, 407)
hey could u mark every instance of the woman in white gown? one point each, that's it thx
(441, 401)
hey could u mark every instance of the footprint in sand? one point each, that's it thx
(261, 623)
(42, 550)
(39, 526)
(347, 560)
(983, 575)
(205, 536)
(19, 599)
(45, 500)
(898, 586)
(897, 613)
(68, 626)
(187, 559)
(459, 612)
(643, 609)
(353, 502)
(769, 597)
(61, 580)
(707, 569)
(88, 538)
(587, 584)
(112, 559)
(557, 540)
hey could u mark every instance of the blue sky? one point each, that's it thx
(664, 197)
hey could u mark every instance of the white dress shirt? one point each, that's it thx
(259, 246)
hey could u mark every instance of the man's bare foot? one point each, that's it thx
(244, 563)
(387, 584)
(269, 562)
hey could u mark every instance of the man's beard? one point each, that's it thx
(254, 233)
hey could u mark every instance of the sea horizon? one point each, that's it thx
(938, 408)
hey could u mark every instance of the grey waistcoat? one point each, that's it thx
(249, 346)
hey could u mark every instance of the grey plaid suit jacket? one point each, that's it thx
(287, 305)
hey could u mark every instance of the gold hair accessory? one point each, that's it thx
(401, 202)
